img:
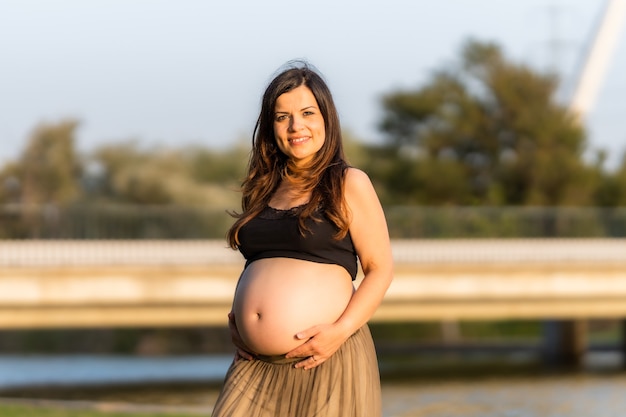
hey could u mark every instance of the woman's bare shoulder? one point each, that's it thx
(357, 178)
(358, 186)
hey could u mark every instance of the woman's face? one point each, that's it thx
(299, 125)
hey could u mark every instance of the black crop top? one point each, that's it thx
(274, 233)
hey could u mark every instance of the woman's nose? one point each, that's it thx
(296, 123)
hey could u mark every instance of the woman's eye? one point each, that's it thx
(281, 117)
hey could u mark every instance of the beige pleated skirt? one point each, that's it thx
(346, 385)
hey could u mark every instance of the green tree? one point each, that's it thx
(49, 170)
(226, 167)
(487, 131)
(612, 190)
(165, 176)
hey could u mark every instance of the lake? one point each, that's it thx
(598, 390)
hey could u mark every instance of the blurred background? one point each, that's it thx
(493, 132)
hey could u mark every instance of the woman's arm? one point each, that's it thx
(368, 229)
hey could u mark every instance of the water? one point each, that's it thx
(17, 371)
(597, 391)
(558, 396)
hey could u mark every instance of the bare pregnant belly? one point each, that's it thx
(279, 297)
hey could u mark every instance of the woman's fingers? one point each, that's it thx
(310, 362)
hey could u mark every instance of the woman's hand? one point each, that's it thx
(243, 352)
(321, 342)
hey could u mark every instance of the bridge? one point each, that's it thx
(65, 284)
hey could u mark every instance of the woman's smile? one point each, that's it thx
(297, 141)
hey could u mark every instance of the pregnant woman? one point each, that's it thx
(297, 321)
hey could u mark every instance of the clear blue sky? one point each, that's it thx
(179, 72)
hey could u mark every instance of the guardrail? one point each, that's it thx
(29, 253)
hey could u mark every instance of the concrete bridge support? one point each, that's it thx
(564, 342)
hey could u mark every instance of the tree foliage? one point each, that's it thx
(48, 171)
(487, 131)
(189, 176)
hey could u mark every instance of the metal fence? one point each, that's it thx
(103, 221)
(506, 222)
(107, 221)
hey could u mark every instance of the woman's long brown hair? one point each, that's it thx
(323, 177)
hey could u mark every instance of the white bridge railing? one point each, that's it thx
(41, 253)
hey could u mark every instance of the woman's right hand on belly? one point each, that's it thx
(243, 351)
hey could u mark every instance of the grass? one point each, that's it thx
(477, 331)
(21, 410)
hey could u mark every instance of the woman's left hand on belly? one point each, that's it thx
(322, 341)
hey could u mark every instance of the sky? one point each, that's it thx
(184, 72)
